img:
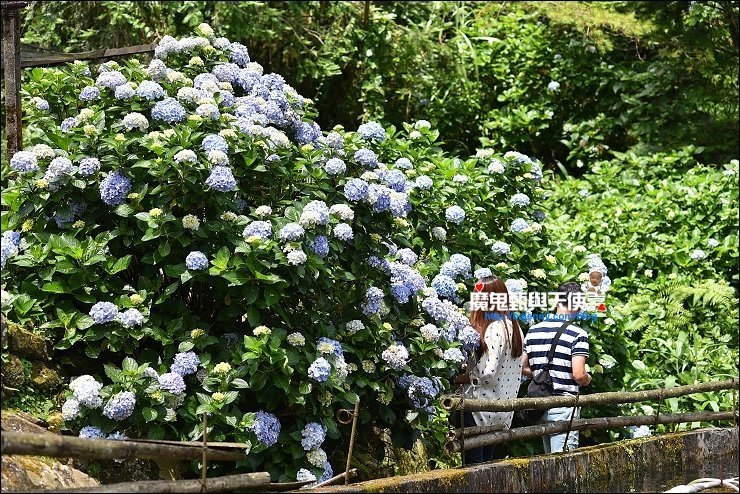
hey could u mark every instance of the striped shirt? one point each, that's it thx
(573, 341)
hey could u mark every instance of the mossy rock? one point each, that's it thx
(38, 472)
(24, 343)
(45, 378)
(13, 372)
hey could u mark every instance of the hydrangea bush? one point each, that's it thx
(187, 225)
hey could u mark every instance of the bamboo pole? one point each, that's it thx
(18, 443)
(614, 397)
(581, 424)
(457, 433)
(218, 484)
(350, 474)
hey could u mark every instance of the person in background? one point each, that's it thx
(568, 369)
(495, 369)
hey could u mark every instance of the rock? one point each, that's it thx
(45, 378)
(38, 472)
(113, 472)
(13, 372)
(26, 344)
(21, 422)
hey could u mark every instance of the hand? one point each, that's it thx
(589, 379)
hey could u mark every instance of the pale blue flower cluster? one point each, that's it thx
(291, 232)
(314, 435)
(445, 286)
(366, 158)
(124, 92)
(515, 285)
(238, 54)
(172, 382)
(420, 391)
(404, 164)
(321, 211)
(372, 131)
(110, 79)
(455, 214)
(343, 232)
(335, 166)
(157, 70)
(114, 188)
(221, 179)
(355, 189)
(226, 72)
(91, 432)
(120, 406)
(520, 200)
(24, 162)
(169, 110)
(698, 254)
(319, 370)
(261, 229)
(68, 124)
(373, 299)
(89, 166)
(481, 273)
(519, 225)
(214, 142)
(327, 474)
(150, 90)
(185, 363)
(320, 246)
(407, 256)
(435, 308)
(70, 409)
(335, 345)
(501, 248)
(454, 355)
(104, 312)
(89, 93)
(86, 390)
(58, 168)
(40, 103)
(405, 282)
(423, 182)
(131, 318)
(196, 261)
(469, 338)
(395, 179)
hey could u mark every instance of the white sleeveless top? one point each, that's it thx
(498, 374)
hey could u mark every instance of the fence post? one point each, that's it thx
(11, 49)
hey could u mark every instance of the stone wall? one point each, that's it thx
(638, 465)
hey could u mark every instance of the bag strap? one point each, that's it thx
(551, 353)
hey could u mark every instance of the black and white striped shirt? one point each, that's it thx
(573, 341)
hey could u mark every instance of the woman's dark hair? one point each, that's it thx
(479, 322)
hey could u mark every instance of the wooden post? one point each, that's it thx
(11, 55)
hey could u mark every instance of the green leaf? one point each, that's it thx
(149, 414)
(113, 372)
(239, 383)
(84, 321)
(120, 264)
(23, 303)
(124, 210)
(130, 365)
(235, 277)
(185, 346)
(54, 287)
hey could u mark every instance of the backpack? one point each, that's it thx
(541, 385)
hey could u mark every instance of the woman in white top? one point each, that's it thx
(494, 372)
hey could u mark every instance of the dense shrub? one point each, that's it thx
(190, 229)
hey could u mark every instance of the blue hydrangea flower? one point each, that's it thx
(405, 282)
(539, 215)
(266, 427)
(382, 264)
(469, 338)
(366, 157)
(110, 79)
(501, 248)
(336, 346)
(124, 92)
(321, 210)
(553, 86)
(423, 182)
(226, 72)
(131, 318)
(150, 90)
(157, 70)
(343, 232)
(454, 355)
(372, 131)
(697, 254)
(334, 140)
(404, 164)
(306, 133)
(319, 370)
(214, 141)
(172, 382)
(40, 103)
(400, 205)
(58, 168)
(118, 436)
(407, 256)
(291, 232)
(91, 432)
(185, 363)
(420, 390)
(481, 273)
(238, 54)
(103, 312)
(114, 188)
(120, 406)
(63, 217)
(435, 308)
(396, 180)
(327, 474)
(70, 409)
(355, 189)
(520, 200)
(24, 162)
(461, 265)
(169, 110)
(320, 246)
(335, 166)
(314, 435)
(89, 166)
(455, 214)
(519, 225)
(261, 229)
(221, 179)
(380, 197)
(196, 261)
(373, 299)
(68, 124)
(304, 475)
(89, 93)
(444, 285)
(86, 390)
(208, 111)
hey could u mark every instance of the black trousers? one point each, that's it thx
(475, 455)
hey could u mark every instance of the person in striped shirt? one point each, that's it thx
(568, 369)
